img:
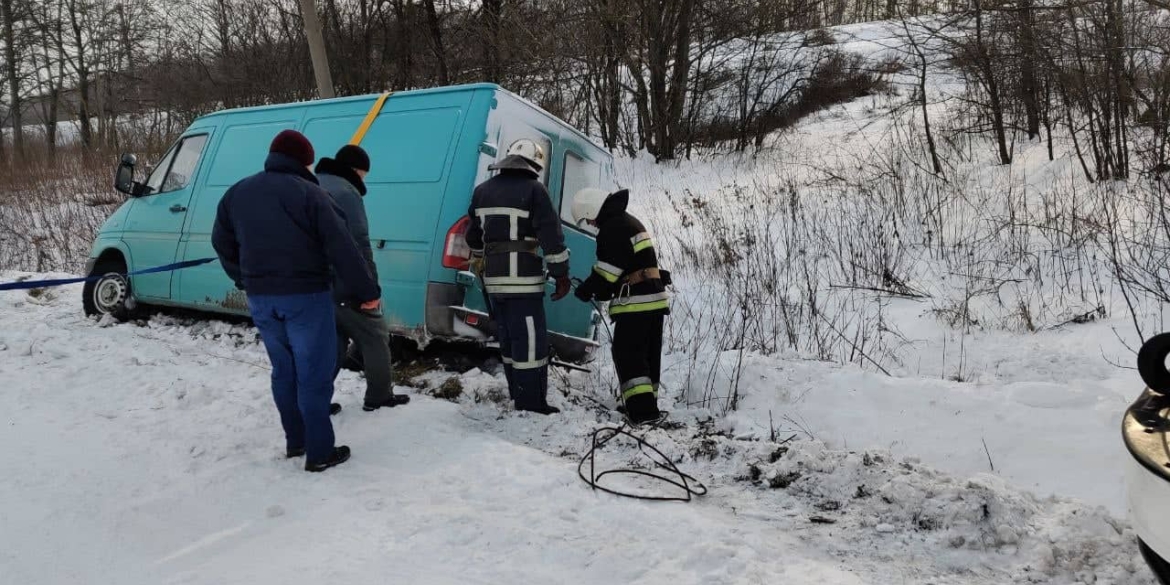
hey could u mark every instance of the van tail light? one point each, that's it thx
(456, 253)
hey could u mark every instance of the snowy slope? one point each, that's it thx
(1044, 407)
(150, 453)
(1048, 405)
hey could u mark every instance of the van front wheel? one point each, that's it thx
(110, 294)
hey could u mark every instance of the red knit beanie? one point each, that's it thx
(293, 144)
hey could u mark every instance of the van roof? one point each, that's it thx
(341, 100)
(413, 92)
(563, 123)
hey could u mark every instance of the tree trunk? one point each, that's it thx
(1120, 85)
(224, 60)
(51, 111)
(658, 53)
(317, 52)
(81, 68)
(15, 104)
(923, 70)
(1048, 118)
(997, 119)
(995, 103)
(405, 52)
(367, 47)
(641, 100)
(437, 41)
(1029, 58)
(611, 99)
(493, 12)
(680, 74)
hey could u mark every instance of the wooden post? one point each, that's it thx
(317, 49)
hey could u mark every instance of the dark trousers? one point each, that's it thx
(523, 335)
(300, 336)
(371, 337)
(637, 355)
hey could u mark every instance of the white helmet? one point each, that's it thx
(528, 150)
(587, 203)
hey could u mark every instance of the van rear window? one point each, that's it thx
(579, 173)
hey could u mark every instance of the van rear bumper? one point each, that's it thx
(478, 325)
(448, 317)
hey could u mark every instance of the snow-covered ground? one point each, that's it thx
(988, 451)
(151, 453)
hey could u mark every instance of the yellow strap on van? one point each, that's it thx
(369, 121)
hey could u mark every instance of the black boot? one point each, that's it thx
(340, 455)
(294, 453)
(545, 410)
(391, 402)
(642, 408)
(334, 408)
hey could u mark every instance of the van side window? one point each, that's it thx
(185, 163)
(579, 174)
(155, 180)
(175, 169)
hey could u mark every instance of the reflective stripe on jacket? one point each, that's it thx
(512, 208)
(624, 247)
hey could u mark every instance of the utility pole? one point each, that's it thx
(317, 49)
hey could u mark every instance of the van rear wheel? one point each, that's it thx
(111, 294)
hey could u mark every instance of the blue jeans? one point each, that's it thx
(300, 335)
(523, 335)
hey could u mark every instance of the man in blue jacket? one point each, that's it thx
(278, 234)
(343, 176)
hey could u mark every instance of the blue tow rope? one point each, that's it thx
(28, 284)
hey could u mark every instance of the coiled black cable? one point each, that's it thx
(688, 484)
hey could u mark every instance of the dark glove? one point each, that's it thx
(665, 275)
(563, 287)
(583, 294)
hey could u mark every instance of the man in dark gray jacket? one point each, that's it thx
(343, 177)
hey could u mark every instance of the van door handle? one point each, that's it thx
(176, 208)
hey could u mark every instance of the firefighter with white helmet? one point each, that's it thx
(627, 275)
(512, 219)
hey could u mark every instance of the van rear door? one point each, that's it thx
(575, 167)
(155, 223)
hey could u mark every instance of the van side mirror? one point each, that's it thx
(124, 178)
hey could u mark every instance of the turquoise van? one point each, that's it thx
(429, 149)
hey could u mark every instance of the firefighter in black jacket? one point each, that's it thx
(512, 218)
(627, 275)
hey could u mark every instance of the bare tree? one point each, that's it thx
(48, 66)
(922, 65)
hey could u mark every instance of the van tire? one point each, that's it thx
(1151, 362)
(111, 294)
